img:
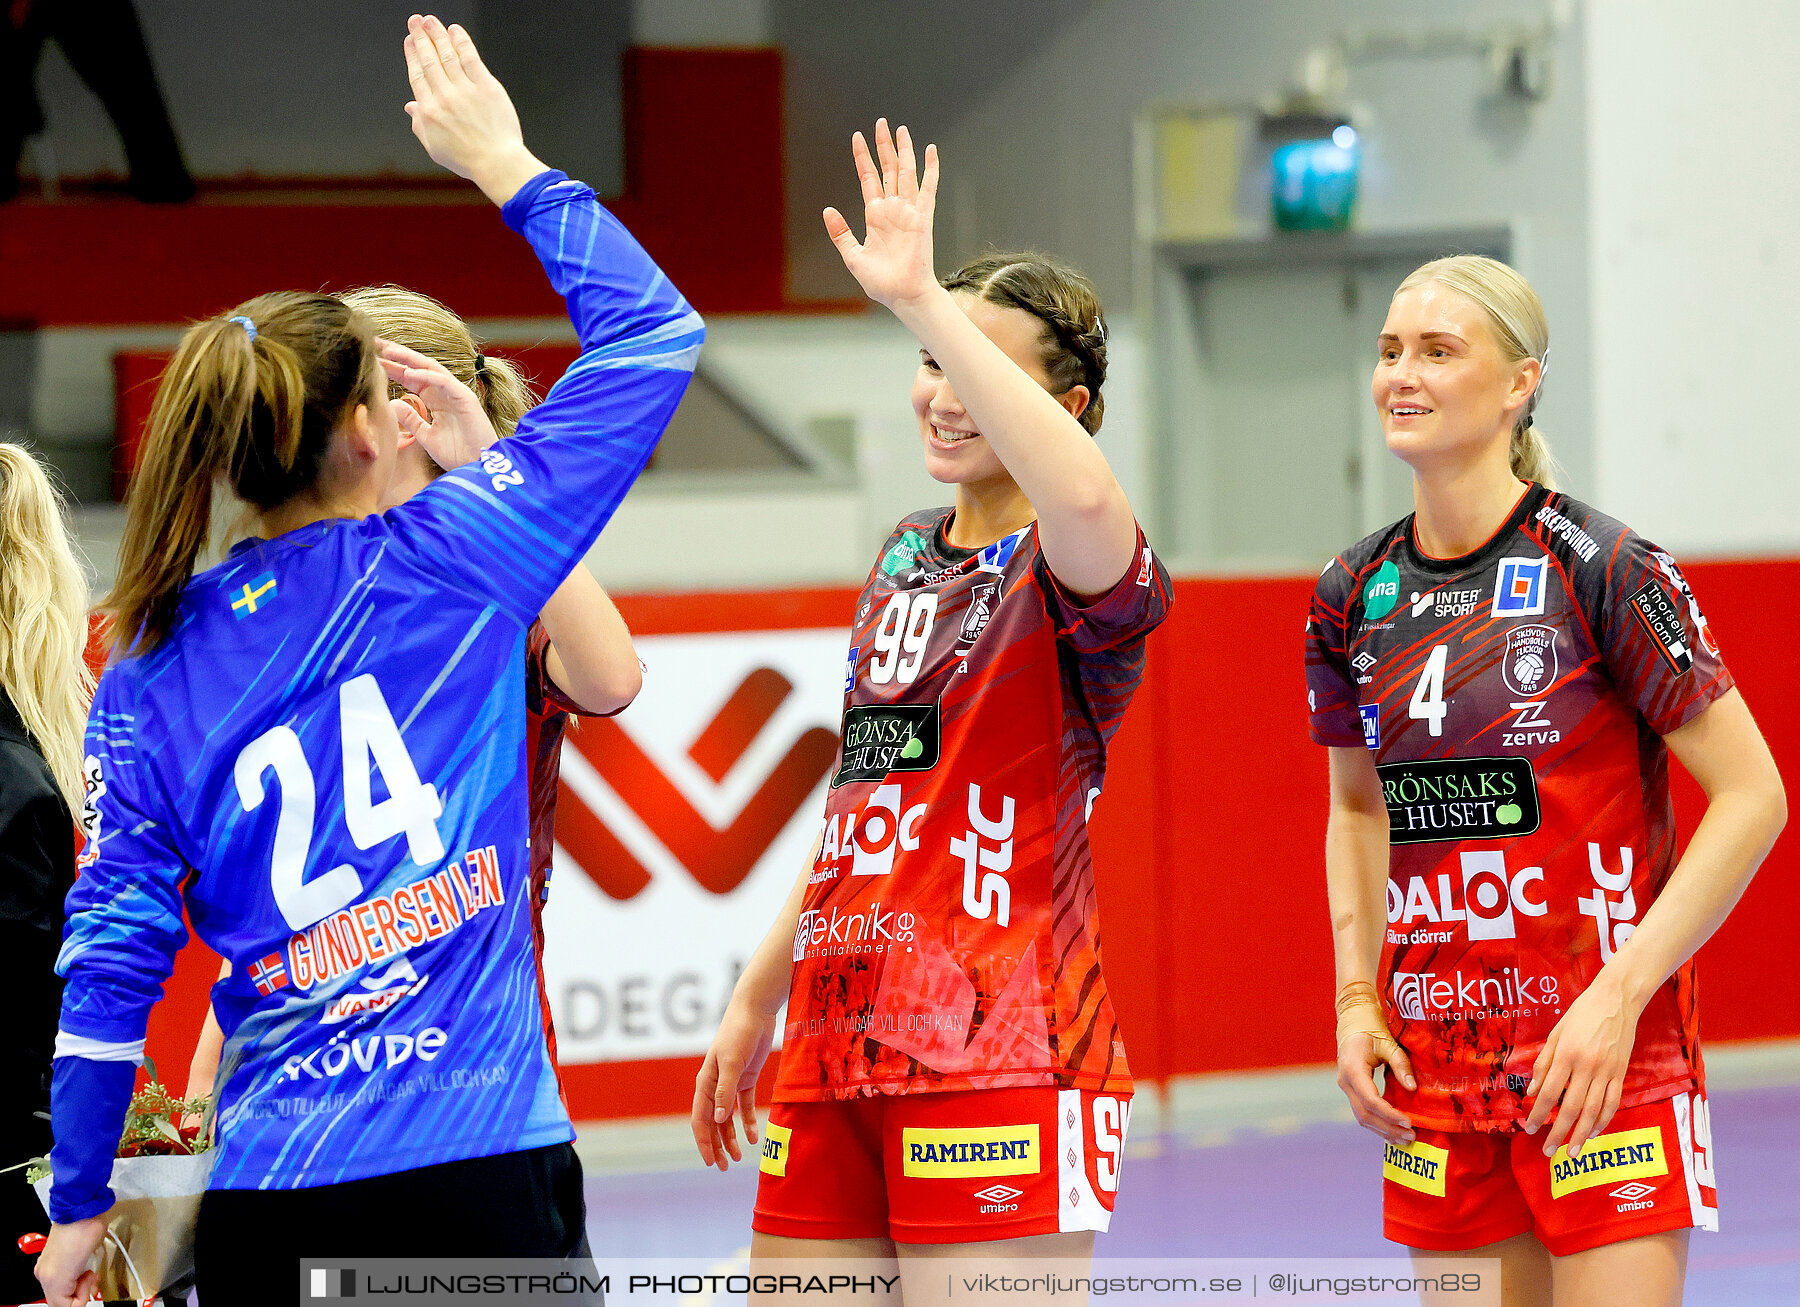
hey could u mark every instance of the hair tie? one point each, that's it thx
(248, 326)
(480, 364)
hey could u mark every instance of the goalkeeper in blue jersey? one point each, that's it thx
(319, 746)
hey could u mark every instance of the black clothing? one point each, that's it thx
(104, 44)
(37, 867)
(527, 1204)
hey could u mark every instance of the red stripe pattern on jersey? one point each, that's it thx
(1515, 700)
(547, 713)
(949, 939)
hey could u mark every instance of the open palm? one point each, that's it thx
(892, 263)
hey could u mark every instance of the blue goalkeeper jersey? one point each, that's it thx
(327, 761)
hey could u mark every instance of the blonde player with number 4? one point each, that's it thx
(1501, 678)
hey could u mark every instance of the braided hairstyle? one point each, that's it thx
(1065, 301)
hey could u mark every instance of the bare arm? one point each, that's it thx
(1746, 808)
(1356, 876)
(1085, 525)
(746, 1033)
(591, 656)
(1584, 1061)
(204, 1068)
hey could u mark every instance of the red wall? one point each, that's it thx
(1209, 839)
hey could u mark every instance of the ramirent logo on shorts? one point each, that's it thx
(775, 1149)
(1417, 1165)
(1608, 1159)
(988, 1150)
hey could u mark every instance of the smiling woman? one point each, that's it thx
(1521, 336)
(948, 1021)
(1514, 930)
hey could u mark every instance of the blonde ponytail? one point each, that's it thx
(422, 323)
(1517, 317)
(1531, 457)
(43, 618)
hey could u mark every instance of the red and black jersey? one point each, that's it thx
(547, 713)
(1515, 700)
(949, 938)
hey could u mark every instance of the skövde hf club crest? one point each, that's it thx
(1529, 666)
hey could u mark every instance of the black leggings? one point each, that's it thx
(250, 1242)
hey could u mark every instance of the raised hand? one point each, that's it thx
(454, 428)
(892, 262)
(460, 112)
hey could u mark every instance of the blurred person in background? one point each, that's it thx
(579, 660)
(952, 1077)
(1501, 678)
(316, 747)
(104, 44)
(44, 691)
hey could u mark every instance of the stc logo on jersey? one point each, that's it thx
(1519, 587)
(1487, 903)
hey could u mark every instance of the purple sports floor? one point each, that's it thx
(1311, 1191)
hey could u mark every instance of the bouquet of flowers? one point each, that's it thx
(158, 1179)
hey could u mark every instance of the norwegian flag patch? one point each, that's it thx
(269, 974)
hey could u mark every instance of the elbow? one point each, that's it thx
(612, 693)
(1099, 502)
(628, 684)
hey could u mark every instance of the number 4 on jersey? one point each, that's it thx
(411, 808)
(1428, 696)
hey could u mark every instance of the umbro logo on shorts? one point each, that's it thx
(998, 1193)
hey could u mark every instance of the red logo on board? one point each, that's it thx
(718, 859)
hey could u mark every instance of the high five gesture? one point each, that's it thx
(1012, 360)
(892, 263)
(460, 112)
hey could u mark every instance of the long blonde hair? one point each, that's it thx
(43, 618)
(1516, 315)
(419, 322)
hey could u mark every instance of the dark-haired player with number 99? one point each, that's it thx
(1501, 678)
(951, 1069)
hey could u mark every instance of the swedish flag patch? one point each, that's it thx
(253, 596)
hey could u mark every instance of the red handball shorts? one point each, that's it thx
(943, 1167)
(1652, 1171)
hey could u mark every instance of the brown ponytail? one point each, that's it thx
(1065, 301)
(251, 397)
